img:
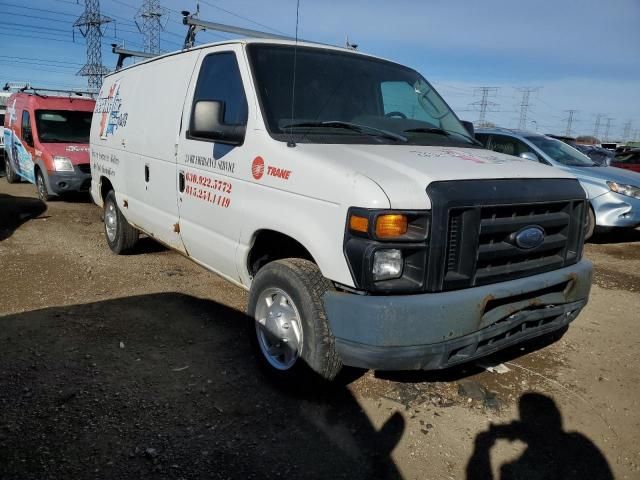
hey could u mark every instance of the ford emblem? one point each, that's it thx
(529, 237)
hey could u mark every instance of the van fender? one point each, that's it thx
(39, 163)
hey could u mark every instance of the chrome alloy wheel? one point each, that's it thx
(111, 221)
(279, 328)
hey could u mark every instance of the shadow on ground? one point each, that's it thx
(14, 211)
(616, 235)
(165, 385)
(551, 453)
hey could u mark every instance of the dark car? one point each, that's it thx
(629, 160)
(599, 155)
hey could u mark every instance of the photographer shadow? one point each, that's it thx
(551, 452)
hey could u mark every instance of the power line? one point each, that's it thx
(90, 26)
(569, 122)
(596, 127)
(524, 105)
(150, 15)
(606, 131)
(484, 103)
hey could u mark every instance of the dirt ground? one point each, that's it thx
(137, 367)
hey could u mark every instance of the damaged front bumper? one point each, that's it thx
(438, 330)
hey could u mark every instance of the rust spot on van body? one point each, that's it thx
(176, 227)
(125, 203)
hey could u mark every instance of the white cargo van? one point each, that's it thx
(342, 192)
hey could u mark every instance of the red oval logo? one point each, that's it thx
(257, 168)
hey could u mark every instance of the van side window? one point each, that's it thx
(27, 133)
(220, 80)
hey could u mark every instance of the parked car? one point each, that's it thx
(46, 140)
(601, 156)
(614, 195)
(367, 224)
(629, 160)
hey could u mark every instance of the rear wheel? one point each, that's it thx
(590, 226)
(12, 176)
(121, 236)
(288, 324)
(41, 186)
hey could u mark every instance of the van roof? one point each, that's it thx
(247, 41)
(54, 102)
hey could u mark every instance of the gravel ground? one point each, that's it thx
(137, 366)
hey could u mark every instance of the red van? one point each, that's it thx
(629, 160)
(46, 141)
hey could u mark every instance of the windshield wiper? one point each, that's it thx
(441, 131)
(356, 127)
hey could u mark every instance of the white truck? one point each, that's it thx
(343, 193)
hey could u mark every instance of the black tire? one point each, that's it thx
(12, 176)
(303, 282)
(590, 226)
(41, 187)
(124, 236)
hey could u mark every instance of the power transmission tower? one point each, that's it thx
(569, 122)
(524, 105)
(596, 127)
(606, 130)
(90, 26)
(627, 131)
(150, 15)
(484, 104)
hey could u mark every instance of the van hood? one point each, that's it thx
(77, 152)
(405, 171)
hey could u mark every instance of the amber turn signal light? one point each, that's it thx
(359, 224)
(388, 226)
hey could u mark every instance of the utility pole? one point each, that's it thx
(90, 26)
(626, 136)
(524, 105)
(596, 128)
(150, 15)
(484, 104)
(569, 122)
(606, 130)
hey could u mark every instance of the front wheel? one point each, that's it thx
(41, 186)
(12, 176)
(121, 236)
(288, 323)
(590, 227)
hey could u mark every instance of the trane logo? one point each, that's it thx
(529, 237)
(258, 170)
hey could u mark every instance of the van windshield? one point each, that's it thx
(341, 97)
(63, 126)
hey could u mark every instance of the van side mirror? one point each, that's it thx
(529, 156)
(207, 122)
(469, 126)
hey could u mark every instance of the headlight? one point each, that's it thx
(622, 189)
(387, 249)
(62, 164)
(387, 264)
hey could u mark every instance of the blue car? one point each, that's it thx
(614, 194)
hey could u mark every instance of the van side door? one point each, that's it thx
(26, 157)
(209, 189)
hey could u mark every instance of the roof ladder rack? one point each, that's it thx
(195, 25)
(26, 86)
(123, 54)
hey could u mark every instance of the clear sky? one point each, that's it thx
(582, 55)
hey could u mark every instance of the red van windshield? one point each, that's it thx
(63, 126)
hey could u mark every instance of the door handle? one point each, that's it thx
(146, 173)
(181, 181)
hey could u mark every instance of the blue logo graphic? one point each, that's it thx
(529, 237)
